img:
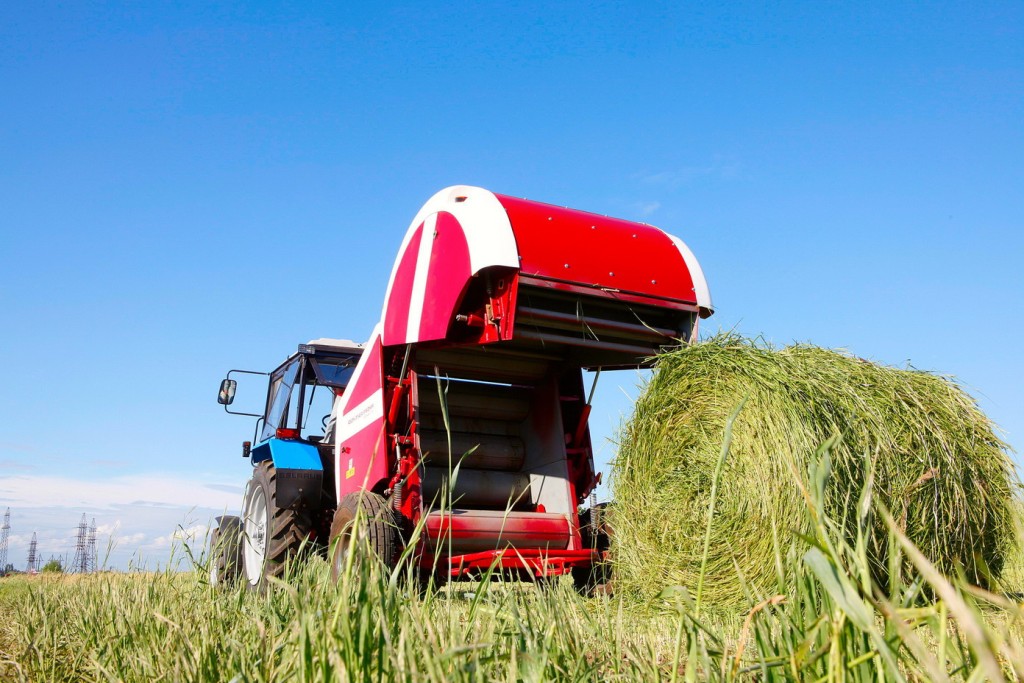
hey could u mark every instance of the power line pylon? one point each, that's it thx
(5, 531)
(33, 559)
(91, 548)
(80, 565)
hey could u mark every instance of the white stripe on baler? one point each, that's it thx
(700, 285)
(483, 221)
(361, 416)
(419, 281)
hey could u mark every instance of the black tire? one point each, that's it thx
(225, 551)
(377, 527)
(597, 535)
(272, 536)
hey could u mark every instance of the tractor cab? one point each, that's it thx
(300, 392)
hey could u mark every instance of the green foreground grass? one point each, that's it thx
(826, 620)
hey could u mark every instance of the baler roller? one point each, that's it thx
(471, 400)
(472, 451)
(478, 488)
(468, 531)
(594, 326)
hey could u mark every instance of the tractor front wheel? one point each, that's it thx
(272, 536)
(362, 518)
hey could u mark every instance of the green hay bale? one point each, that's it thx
(939, 468)
(1012, 578)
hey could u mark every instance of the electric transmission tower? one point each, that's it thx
(91, 548)
(33, 560)
(81, 561)
(5, 531)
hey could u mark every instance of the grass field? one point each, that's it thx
(825, 621)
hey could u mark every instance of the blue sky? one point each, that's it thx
(186, 189)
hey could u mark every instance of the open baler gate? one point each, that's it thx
(479, 268)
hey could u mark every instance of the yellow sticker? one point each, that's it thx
(351, 471)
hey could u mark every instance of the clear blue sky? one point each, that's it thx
(186, 189)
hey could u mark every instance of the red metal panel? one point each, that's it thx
(397, 308)
(447, 277)
(362, 460)
(368, 378)
(597, 251)
(361, 455)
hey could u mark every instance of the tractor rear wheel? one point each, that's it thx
(362, 517)
(597, 535)
(272, 535)
(225, 557)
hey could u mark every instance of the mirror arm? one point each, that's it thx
(243, 372)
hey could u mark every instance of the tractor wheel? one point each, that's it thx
(596, 579)
(376, 528)
(225, 556)
(272, 535)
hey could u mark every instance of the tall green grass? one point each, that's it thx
(168, 626)
(823, 618)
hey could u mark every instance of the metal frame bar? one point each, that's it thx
(245, 372)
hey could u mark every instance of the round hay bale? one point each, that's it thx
(938, 465)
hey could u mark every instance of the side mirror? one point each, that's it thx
(226, 395)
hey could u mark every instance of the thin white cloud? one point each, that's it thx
(719, 167)
(29, 490)
(192, 533)
(647, 208)
(227, 488)
(108, 529)
(196, 532)
(9, 464)
(107, 462)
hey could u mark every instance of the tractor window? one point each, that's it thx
(334, 372)
(280, 393)
(319, 401)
